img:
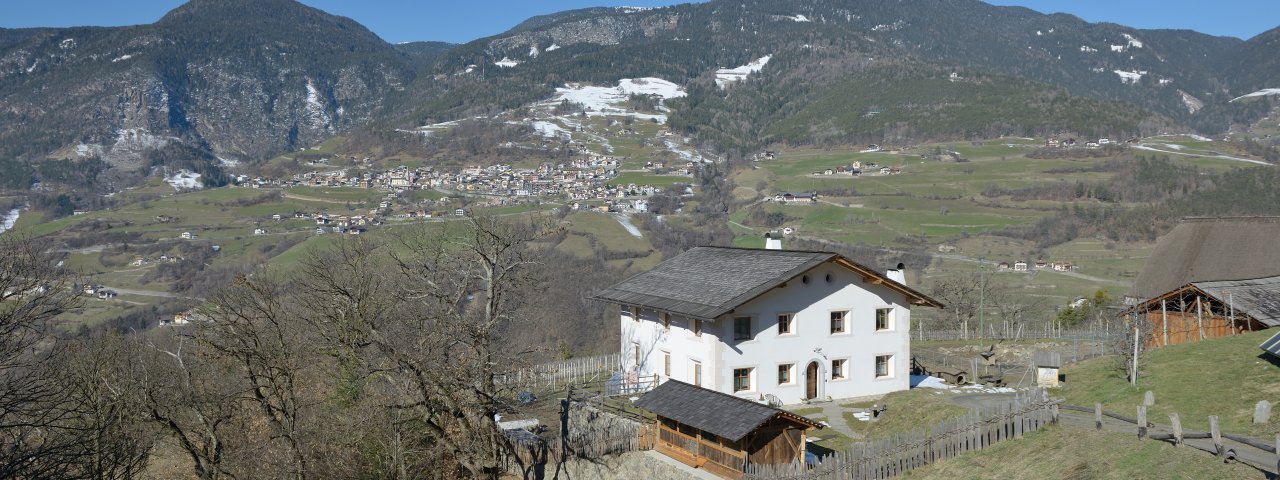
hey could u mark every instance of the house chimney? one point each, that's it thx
(898, 274)
(771, 243)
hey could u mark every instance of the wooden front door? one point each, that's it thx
(811, 381)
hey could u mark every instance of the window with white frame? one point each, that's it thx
(837, 321)
(884, 366)
(697, 372)
(635, 355)
(666, 363)
(784, 373)
(837, 369)
(784, 324)
(884, 319)
(742, 328)
(742, 379)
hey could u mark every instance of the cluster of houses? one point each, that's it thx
(1054, 142)
(103, 293)
(857, 169)
(1024, 266)
(141, 261)
(588, 176)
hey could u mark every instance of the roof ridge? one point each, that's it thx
(769, 250)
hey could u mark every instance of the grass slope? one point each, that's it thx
(1224, 377)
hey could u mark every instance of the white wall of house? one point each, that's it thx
(656, 342)
(810, 340)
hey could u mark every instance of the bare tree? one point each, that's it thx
(34, 289)
(116, 441)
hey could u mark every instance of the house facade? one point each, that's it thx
(777, 325)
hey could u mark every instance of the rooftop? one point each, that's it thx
(1211, 249)
(718, 413)
(706, 282)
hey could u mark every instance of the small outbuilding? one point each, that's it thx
(1047, 365)
(722, 433)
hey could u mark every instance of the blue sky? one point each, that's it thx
(460, 21)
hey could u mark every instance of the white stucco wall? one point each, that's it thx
(810, 340)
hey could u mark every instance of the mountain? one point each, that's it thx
(1174, 76)
(424, 53)
(238, 78)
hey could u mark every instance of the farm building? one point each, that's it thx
(1201, 310)
(778, 325)
(1210, 277)
(721, 433)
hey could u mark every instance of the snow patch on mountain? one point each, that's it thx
(121, 58)
(1087, 49)
(506, 63)
(603, 101)
(9, 220)
(1130, 77)
(1133, 42)
(533, 51)
(725, 76)
(184, 180)
(316, 115)
(799, 19)
(1117, 48)
(553, 48)
(550, 130)
(1260, 93)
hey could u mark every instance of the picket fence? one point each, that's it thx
(554, 375)
(895, 456)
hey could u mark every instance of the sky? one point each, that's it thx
(460, 21)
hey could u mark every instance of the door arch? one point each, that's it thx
(811, 381)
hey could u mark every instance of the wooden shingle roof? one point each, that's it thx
(1258, 298)
(706, 282)
(1211, 249)
(717, 413)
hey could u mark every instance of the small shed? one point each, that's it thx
(1047, 365)
(722, 433)
(1201, 310)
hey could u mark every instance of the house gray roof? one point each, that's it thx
(1211, 249)
(1258, 298)
(717, 413)
(706, 282)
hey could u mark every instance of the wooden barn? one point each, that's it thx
(721, 433)
(1201, 310)
(1210, 277)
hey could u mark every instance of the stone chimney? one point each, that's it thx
(771, 242)
(897, 274)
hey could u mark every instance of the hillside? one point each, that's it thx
(241, 79)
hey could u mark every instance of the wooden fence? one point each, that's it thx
(1174, 433)
(554, 375)
(895, 456)
(1002, 330)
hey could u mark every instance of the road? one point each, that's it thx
(144, 293)
(1202, 155)
(962, 258)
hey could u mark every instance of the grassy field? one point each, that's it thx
(1224, 377)
(907, 410)
(1061, 452)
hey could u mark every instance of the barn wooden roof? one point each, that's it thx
(717, 413)
(706, 282)
(1257, 298)
(1211, 249)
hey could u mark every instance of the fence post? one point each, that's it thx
(1177, 428)
(1142, 422)
(1216, 432)
(1278, 452)
(1097, 415)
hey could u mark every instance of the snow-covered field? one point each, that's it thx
(184, 180)
(506, 63)
(9, 220)
(725, 76)
(1129, 77)
(1260, 93)
(603, 101)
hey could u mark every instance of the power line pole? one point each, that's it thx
(982, 295)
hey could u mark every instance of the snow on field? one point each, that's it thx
(602, 101)
(688, 156)
(1130, 77)
(1133, 42)
(925, 381)
(184, 180)
(1173, 146)
(9, 220)
(506, 63)
(550, 130)
(1260, 93)
(725, 76)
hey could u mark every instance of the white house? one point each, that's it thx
(753, 323)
